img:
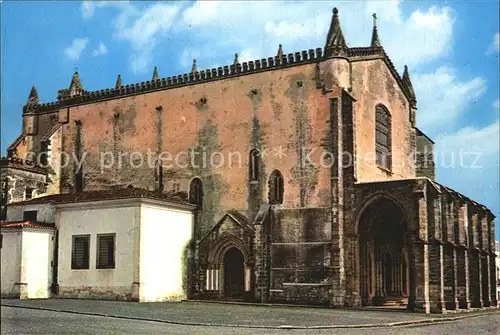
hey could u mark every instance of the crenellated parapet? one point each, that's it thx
(186, 79)
(220, 73)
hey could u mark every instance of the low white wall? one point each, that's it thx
(165, 234)
(109, 217)
(38, 248)
(10, 262)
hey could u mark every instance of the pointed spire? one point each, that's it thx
(194, 68)
(406, 80)
(335, 41)
(236, 61)
(375, 40)
(280, 52)
(75, 84)
(118, 81)
(33, 97)
(156, 76)
(32, 102)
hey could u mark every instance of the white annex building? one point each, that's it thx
(126, 244)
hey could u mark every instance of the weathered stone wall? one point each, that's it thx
(18, 180)
(425, 166)
(268, 110)
(373, 84)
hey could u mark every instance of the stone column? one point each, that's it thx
(462, 255)
(492, 264)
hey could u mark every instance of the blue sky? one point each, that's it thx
(451, 49)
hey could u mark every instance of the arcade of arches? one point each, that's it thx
(407, 244)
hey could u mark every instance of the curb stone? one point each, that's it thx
(287, 327)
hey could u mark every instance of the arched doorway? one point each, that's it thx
(234, 274)
(382, 230)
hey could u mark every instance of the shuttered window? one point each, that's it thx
(80, 252)
(106, 251)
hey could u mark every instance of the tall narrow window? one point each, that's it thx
(254, 165)
(383, 137)
(276, 186)
(80, 252)
(159, 175)
(196, 192)
(106, 251)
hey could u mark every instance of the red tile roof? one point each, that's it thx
(113, 194)
(23, 224)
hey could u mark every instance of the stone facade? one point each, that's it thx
(318, 172)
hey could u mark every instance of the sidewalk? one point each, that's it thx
(232, 315)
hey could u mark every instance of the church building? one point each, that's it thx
(306, 175)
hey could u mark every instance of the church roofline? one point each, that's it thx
(220, 73)
(421, 133)
(438, 187)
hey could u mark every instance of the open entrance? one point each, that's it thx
(384, 269)
(234, 274)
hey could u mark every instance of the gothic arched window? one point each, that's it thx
(276, 186)
(254, 165)
(383, 137)
(196, 192)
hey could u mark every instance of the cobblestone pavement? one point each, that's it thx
(197, 313)
(29, 321)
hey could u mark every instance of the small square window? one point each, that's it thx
(80, 252)
(30, 216)
(28, 193)
(106, 251)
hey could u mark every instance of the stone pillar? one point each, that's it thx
(475, 271)
(436, 278)
(462, 255)
(492, 264)
(261, 252)
(463, 277)
(450, 277)
(486, 281)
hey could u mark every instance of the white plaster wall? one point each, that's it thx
(165, 233)
(36, 268)
(10, 261)
(46, 212)
(93, 220)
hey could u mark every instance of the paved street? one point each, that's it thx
(66, 316)
(28, 321)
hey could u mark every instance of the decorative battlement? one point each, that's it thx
(23, 164)
(222, 72)
(335, 47)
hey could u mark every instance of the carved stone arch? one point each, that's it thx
(372, 199)
(223, 244)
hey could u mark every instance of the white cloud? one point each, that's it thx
(495, 44)
(254, 29)
(100, 50)
(76, 48)
(88, 8)
(496, 104)
(261, 26)
(467, 161)
(142, 28)
(443, 98)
